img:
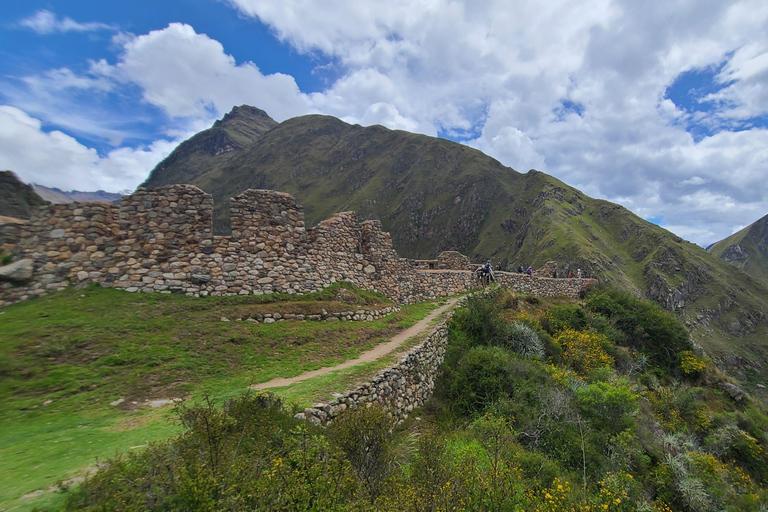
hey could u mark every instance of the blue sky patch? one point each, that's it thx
(567, 107)
(689, 92)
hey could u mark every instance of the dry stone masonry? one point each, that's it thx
(359, 315)
(161, 240)
(400, 388)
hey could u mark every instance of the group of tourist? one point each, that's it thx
(486, 269)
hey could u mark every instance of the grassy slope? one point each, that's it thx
(65, 357)
(746, 249)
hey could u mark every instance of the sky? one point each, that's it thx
(660, 106)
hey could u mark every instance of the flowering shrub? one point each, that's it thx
(583, 351)
(691, 364)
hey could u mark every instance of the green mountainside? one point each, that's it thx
(432, 195)
(746, 249)
(17, 199)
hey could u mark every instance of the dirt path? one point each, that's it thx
(375, 353)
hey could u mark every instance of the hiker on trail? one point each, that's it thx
(519, 269)
(529, 271)
(499, 267)
(487, 267)
(554, 274)
(570, 274)
(578, 272)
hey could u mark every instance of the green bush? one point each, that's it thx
(561, 317)
(643, 326)
(481, 377)
(479, 320)
(524, 341)
(365, 436)
(609, 407)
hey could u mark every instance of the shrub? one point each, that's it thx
(524, 340)
(691, 364)
(562, 317)
(481, 377)
(365, 436)
(479, 320)
(609, 407)
(584, 351)
(643, 325)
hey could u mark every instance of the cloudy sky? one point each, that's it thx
(661, 106)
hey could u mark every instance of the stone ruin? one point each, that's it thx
(161, 240)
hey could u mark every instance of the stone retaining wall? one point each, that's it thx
(161, 240)
(400, 388)
(359, 315)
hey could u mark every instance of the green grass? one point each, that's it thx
(319, 389)
(65, 357)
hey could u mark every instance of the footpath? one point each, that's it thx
(375, 353)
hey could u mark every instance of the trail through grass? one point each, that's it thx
(66, 357)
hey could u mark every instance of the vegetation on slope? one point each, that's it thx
(66, 357)
(746, 249)
(17, 199)
(544, 405)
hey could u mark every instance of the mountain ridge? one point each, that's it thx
(747, 249)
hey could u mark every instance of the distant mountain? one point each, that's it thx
(746, 249)
(58, 196)
(17, 199)
(432, 194)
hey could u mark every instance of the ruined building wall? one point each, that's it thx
(161, 240)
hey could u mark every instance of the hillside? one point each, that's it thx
(17, 199)
(85, 373)
(545, 405)
(432, 195)
(746, 249)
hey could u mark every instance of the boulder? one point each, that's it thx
(733, 391)
(18, 271)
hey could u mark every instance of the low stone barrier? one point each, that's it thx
(359, 315)
(400, 389)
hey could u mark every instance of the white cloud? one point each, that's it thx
(45, 22)
(505, 71)
(58, 160)
(187, 74)
(575, 89)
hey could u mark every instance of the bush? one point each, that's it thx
(524, 340)
(562, 317)
(584, 351)
(479, 320)
(365, 436)
(643, 325)
(481, 377)
(609, 407)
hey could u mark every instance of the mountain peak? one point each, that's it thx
(243, 112)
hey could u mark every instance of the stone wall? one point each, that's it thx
(454, 260)
(161, 240)
(399, 389)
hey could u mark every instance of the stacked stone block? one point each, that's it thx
(453, 260)
(160, 241)
(400, 388)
